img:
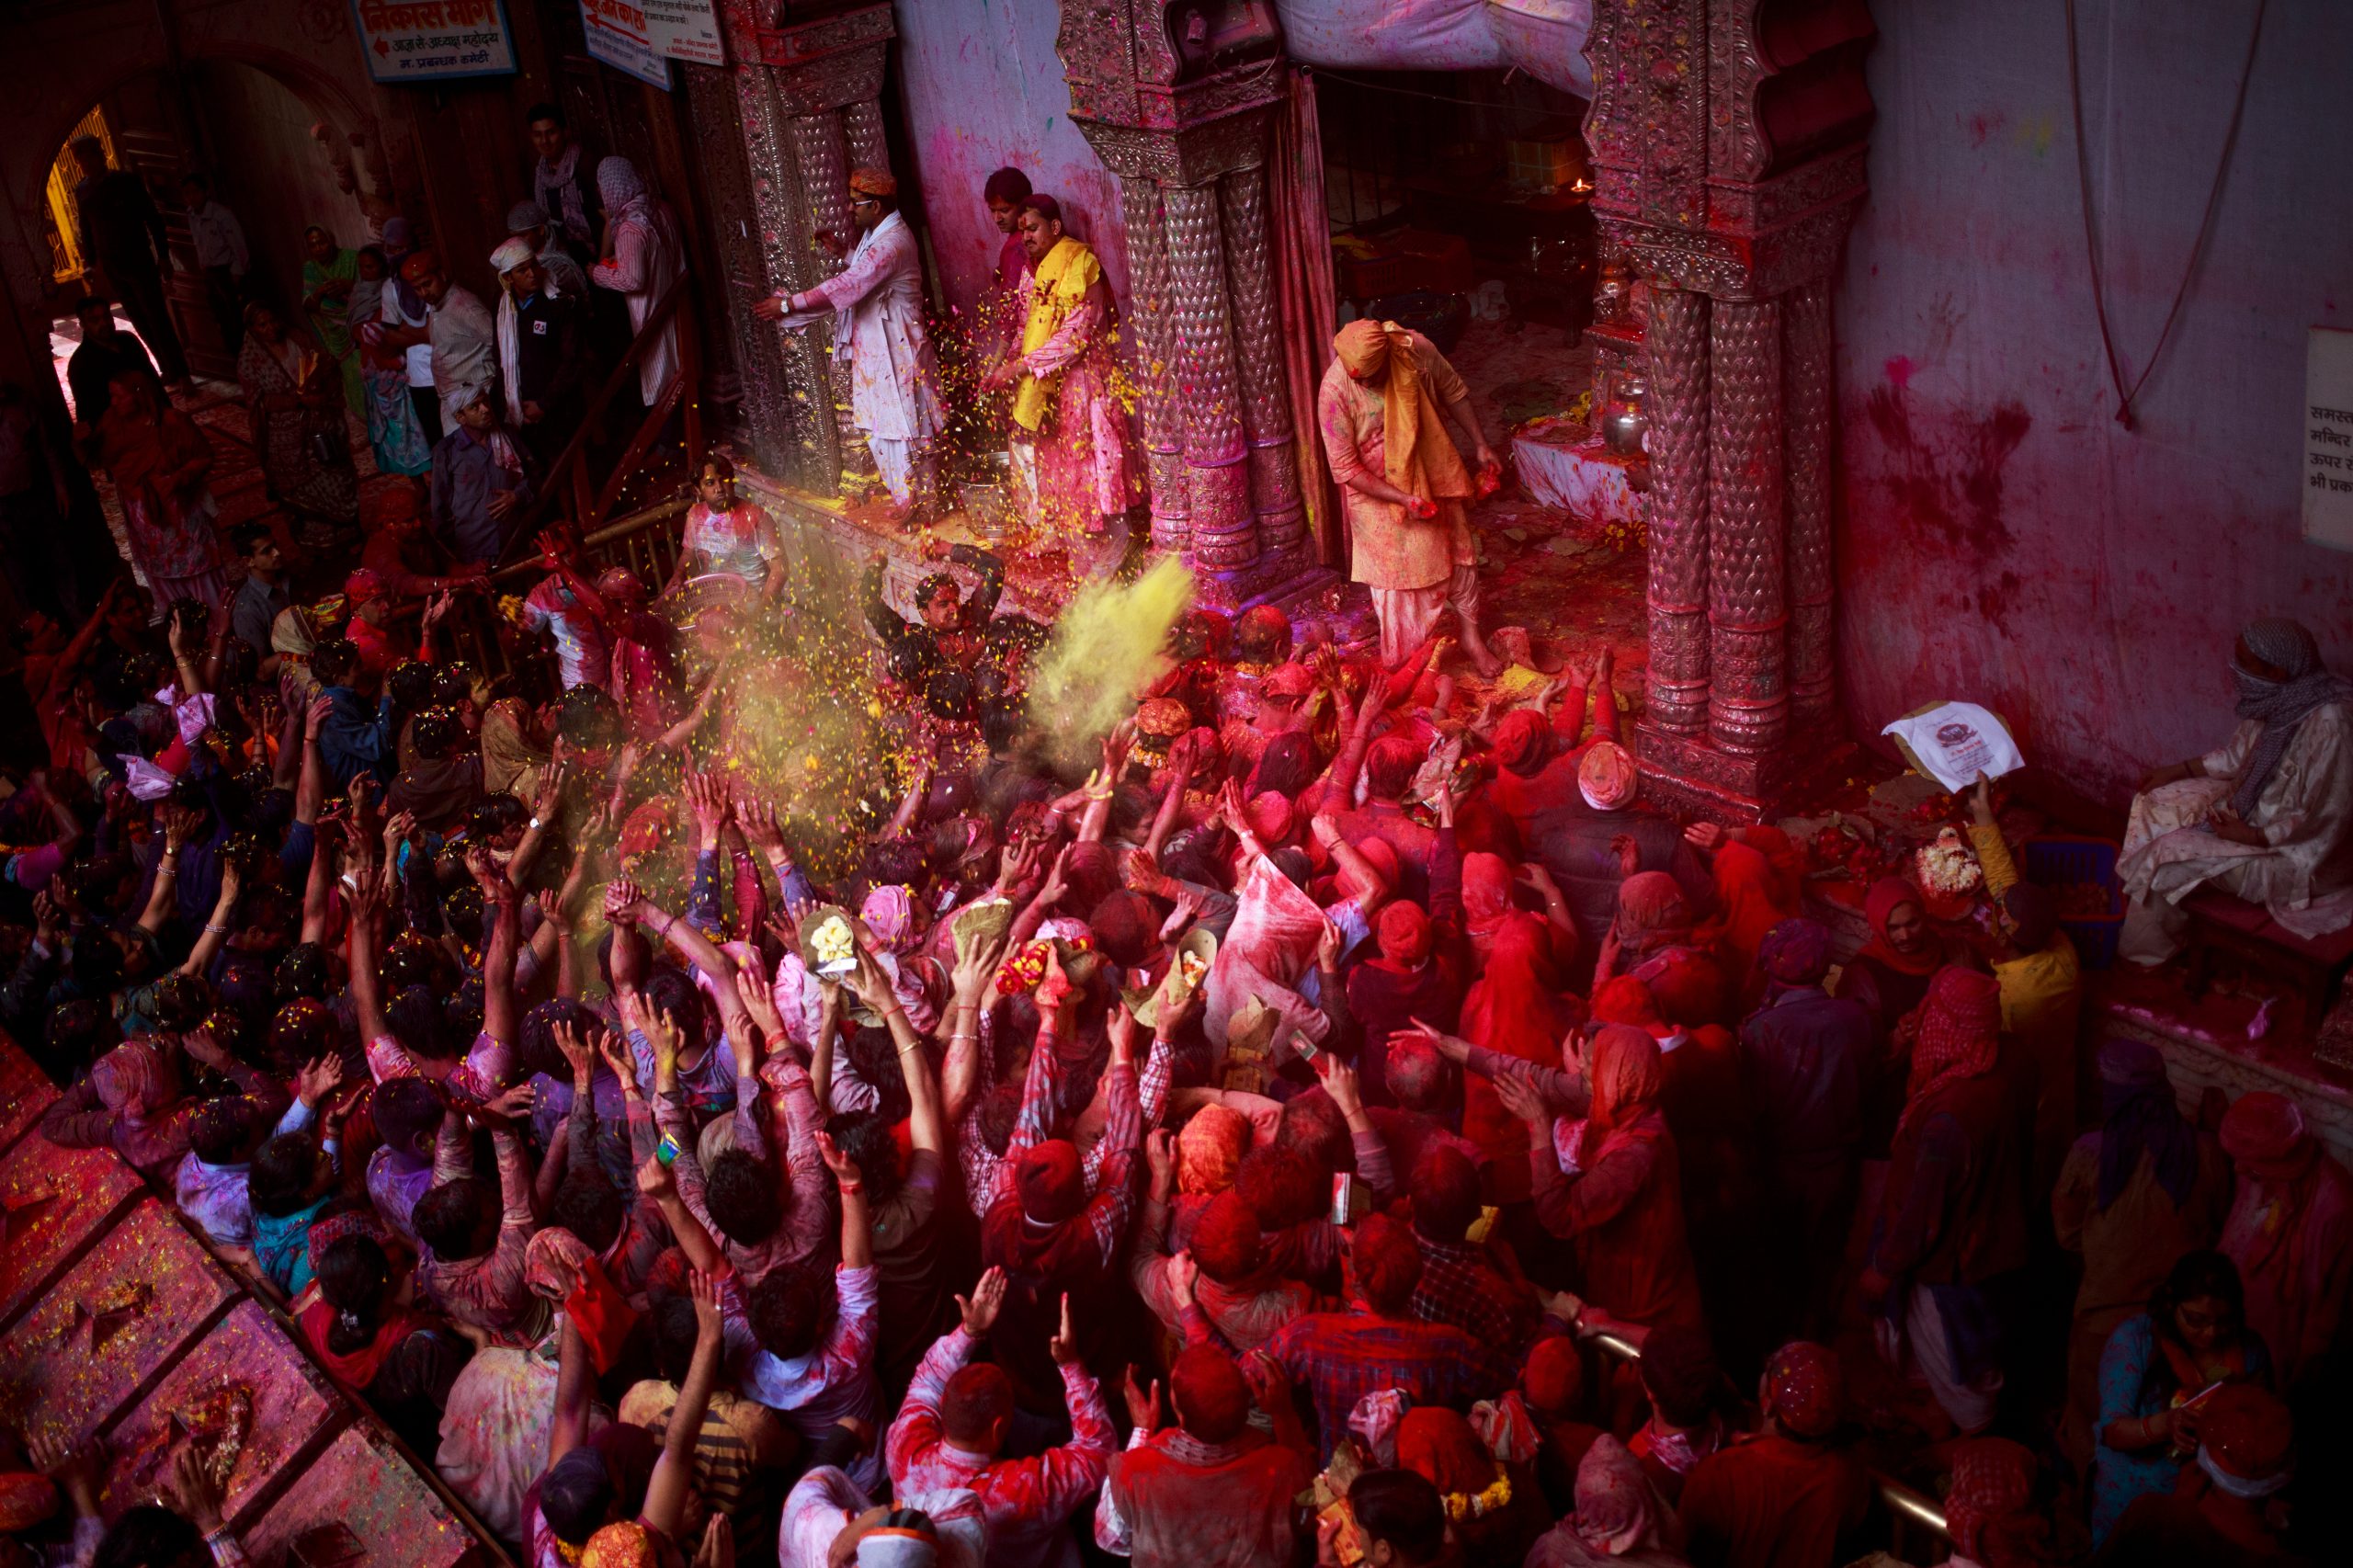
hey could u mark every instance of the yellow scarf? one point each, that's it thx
(1060, 283)
(1417, 454)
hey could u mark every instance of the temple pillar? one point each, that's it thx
(807, 81)
(1183, 114)
(1729, 171)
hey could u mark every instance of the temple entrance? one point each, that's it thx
(1459, 204)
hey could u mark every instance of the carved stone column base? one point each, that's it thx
(1691, 776)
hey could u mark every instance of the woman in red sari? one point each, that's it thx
(1511, 1010)
(1610, 1185)
(1652, 940)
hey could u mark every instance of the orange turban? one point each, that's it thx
(873, 182)
(1419, 455)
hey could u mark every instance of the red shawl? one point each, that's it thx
(1511, 1011)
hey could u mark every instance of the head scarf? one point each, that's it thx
(1416, 453)
(1617, 1512)
(1486, 891)
(888, 913)
(623, 187)
(873, 182)
(1210, 1150)
(561, 180)
(291, 639)
(1622, 999)
(1993, 1486)
(1272, 817)
(1960, 1036)
(1438, 1445)
(1788, 860)
(1405, 934)
(1805, 1389)
(1050, 1184)
(1555, 1376)
(2265, 1133)
(511, 763)
(510, 254)
(1607, 777)
(1887, 895)
(552, 1263)
(1622, 1064)
(1651, 911)
(526, 216)
(1796, 953)
(132, 1080)
(1522, 742)
(2281, 705)
(2138, 1112)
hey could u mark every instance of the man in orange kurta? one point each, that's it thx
(1403, 485)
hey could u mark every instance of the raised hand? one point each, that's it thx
(1160, 1154)
(195, 1493)
(1328, 946)
(510, 1103)
(614, 1051)
(846, 1175)
(978, 967)
(621, 899)
(1144, 1405)
(1063, 1345)
(1519, 1098)
(1183, 1275)
(318, 1080)
(656, 1180)
(718, 1547)
(577, 1053)
(979, 1307)
(1054, 986)
(662, 1033)
(1452, 1047)
(1057, 880)
(757, 818)
(704, 1288)
(707, 797)
(759, 999)
(1701, 836)
(1340, 1082)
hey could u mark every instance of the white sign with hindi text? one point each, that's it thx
(433, 41)
(616, 36)
(2328, 437)
(684, 30)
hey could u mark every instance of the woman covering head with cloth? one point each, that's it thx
(1620, 1521)
(1786, 1494)
(643, 256)
(1065, 373)
(330, 273)
(2265, 818)
(393, 433)
(1406, 489)
(2289, 1231)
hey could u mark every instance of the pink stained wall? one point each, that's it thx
(981, 87)
(2002, 539)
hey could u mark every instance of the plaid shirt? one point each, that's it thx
(1026, 1502)
(986, 1176)
(1342, 1356)
(1461, 1287)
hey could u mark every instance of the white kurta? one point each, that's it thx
(2304, 876)
(878, 323)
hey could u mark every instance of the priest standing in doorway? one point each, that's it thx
(1405, 486)
(877, 302)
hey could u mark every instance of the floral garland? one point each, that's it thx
(1028, 967)
(1461, 1505)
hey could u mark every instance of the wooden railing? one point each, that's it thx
(585, 501)
(1914, 1518)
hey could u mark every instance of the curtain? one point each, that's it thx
(1306, 297)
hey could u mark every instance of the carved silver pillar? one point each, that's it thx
(1151, 340)
(863, 128)
(788, 380)
(1677, 509)
(823, 156)
(1275, 500)
(1224, 532)
(1806, 412)
(1748, 695)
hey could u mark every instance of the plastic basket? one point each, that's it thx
(2081, 873)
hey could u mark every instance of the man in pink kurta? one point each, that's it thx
(1065, 371)
(1408, 523)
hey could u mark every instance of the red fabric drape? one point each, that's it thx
(1305, 294)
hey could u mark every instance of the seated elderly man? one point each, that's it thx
(2265, 818)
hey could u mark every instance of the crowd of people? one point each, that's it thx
(1351, 1123)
